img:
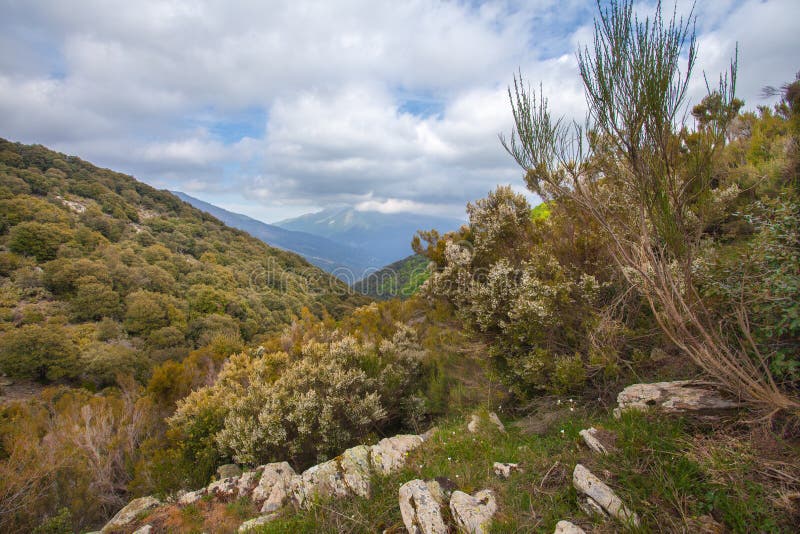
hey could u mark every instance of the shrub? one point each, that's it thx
(43, 353)
(40, 240)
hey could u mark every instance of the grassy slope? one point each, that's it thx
(400, 279)
(665, 471)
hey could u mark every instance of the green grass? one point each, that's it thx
(649, 471)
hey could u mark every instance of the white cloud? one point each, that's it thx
(325, 89)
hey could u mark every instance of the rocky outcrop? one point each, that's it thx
(421, 507)
(504, 470)
(475, 422)
(592, 439)
(473, 513)
(253, 524)
(601, 496)
(228, 471)
(674, 397)
(390, 453)
(130, 512)
(565, 527)
(273, 486)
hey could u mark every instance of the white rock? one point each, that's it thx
(355, 466)
(421, 511)
(591, 486)
(227, 487)
(475, 422)
(247, 482)
(191, 497)
(147, 529)
(322, 480)
(589, 436)
(565, 527)
(251, 524)
(130, 512)
(473, 513)
(390, 453)
(273, 486)
(504, 470)
(673, 397)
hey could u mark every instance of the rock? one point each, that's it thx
(421, 511)
(247, 482)
(130, 512)
(251, 524)
(475, 422)
(429, 433)
(228, 471)
(191, 497)
(565, 527)
(590, 437)
(591, 486)
(147, 529)
(504, 470)
(441, 488)
(674, 397)
(473, 513)
(390, 453)
(273, 486)
(227, 487)
(323, 480)
(355, 466)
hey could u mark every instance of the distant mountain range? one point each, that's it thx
(386, 237)
(343, 241)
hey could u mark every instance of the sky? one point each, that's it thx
(275, 109)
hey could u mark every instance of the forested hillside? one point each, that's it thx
(102, 274)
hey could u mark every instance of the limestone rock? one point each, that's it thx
(247, 482)
(591, 486)
(674, 397)
(592, 440)
(441, 489)
(473, 513)
(147, 529)
(390, 453)
(565, 527)
(273, 486)
(356, 468)
(475, 422)
(251, 524)
(191, 497)
(227, 487)
(228, 471)
(504, 470)
(421, 511)
(428, 434)
(130, 512)
(323, 479)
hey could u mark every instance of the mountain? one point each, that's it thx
(100, 273)
(385, 236)
(337, 258)
(399, 279)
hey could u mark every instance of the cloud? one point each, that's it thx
(297, 105)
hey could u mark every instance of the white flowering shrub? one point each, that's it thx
(267, 407)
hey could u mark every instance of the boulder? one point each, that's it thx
(147, 529)
(225, 488)
(323, 480)
(390, 453)
(473, 513)
(674, 397)
(504, 470)
(565, 527)
(601, 495)
(191, 497)
(475, 422)
(131, 512)
(591, 438)
(247, 482)
(273, 486)
(252, 524)
(355, 465)
(420, 508)
(228, 471)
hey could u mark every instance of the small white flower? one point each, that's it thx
(562, 430)
(571, 409)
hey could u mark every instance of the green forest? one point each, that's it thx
(158, 344)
